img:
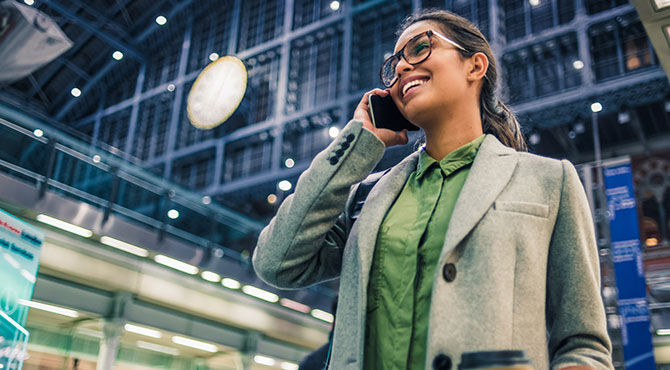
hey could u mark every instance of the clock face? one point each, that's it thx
(217, 92)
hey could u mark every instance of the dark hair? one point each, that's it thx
(497, 118)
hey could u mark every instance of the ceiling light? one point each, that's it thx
(213, 56)
(323, 315)
(334, 5)
(289, 163)
(173, 214)
(206, 199)
(161, 20)
(120, 245)
(534, 2)
(75, 92)
(157, 348)
(285, 185)
(38, 133)
(333, 132)
(623, 117)
(260, 293)
(64, 226)
(175, 264)
(49, 308)
(663, 332)
(117, 55)
(596, 107)
(578, 64)
(142, 331)
(170, 87)
(289, 366)
(29, 2)
(230, 283)
(272, 199)
(211, 276)
(96, 159)
(294, 305)
(90, 332)
(209, 347)
(264, 360)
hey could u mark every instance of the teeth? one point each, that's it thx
(411, 84)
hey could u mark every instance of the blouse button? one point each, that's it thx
(449, 272)
(442, 362)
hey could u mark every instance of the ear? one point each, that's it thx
(477, 67)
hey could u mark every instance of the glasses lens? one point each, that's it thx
(388, 70)
(417, 49)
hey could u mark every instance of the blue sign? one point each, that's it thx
(628, 270)
(20, 247)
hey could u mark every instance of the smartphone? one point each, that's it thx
(385, 114)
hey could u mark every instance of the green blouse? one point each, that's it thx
(406, 255)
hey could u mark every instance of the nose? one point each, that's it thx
(402, 66)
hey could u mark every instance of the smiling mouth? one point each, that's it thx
(413, 84)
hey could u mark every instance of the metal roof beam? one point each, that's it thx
(102, 17)
(86, 24)
(103, 71)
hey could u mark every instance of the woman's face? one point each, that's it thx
(443, 76)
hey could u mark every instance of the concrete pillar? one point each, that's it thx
(109, 346)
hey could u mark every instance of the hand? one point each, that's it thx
(362, 113)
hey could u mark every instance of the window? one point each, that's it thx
(247, 157)
(210, 34)
(306, 137)
(260, 21)
(597, 6)
(314, 69)
(195, 171)
(522, 18)
(152, 126)
(543, 68)
(114, 129)
(620, 46)
(374, 39)
(308, 11)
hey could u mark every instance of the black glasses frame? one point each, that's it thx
(401, 54)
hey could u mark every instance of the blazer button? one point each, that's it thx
(442, 362)
(339, 152)
(449, 272)
(333, 160)
(350, 137)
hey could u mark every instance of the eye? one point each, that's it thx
(420, 47)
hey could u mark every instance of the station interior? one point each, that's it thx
(149, 223)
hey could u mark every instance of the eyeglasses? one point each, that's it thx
(414, 52)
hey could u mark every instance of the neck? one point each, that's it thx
(451, 132)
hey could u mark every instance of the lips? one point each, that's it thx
(412, 82)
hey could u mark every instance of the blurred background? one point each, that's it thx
(148, 223)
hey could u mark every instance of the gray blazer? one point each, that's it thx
(519, 267)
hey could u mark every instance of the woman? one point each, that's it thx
(468, 244)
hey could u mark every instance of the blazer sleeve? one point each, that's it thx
(302, 245)
(576, 320)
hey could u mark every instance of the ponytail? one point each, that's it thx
(498, 120)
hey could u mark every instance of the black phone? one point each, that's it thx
(385, 114)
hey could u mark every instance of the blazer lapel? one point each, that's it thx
(380, 199)
(490, 173)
